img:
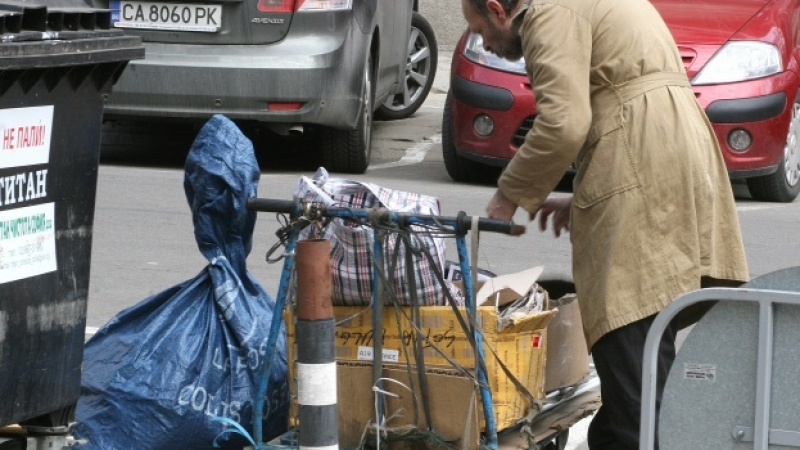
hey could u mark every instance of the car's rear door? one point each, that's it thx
(394, 22)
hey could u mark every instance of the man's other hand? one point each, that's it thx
(559, 208)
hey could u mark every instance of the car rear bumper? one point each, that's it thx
(322, 75)
(761, 107)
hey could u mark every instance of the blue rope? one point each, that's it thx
(236, 428)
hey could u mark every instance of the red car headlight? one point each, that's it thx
(740, 61)
(473, 51)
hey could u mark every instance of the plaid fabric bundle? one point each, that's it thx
(352, 243)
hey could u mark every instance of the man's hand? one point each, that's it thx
(500, 207)
(559, 208)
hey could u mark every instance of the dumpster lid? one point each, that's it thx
(48, 33)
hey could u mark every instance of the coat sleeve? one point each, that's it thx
(557, 43)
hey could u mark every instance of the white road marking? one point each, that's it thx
(90, 331)
(763, 206)
(414, 154)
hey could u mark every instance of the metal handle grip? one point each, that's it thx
(501, 226)
(271, 205)
(490, 225)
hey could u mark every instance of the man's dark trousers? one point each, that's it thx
(618, 357)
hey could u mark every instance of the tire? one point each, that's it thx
(459, 168)
(423, 56)
(784, 185)
(349, 151)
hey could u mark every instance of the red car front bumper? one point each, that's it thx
(761, 107)
(505, 97)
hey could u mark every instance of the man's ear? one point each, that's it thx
(496, 10)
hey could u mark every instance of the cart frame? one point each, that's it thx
(302, 213)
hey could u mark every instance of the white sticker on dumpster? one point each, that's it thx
(365, 354)
(25, 136)
(704, 372)
(27, 242)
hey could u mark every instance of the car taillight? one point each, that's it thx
(288, 6)
(273, 6)
(324, 5)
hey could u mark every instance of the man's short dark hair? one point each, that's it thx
(480, 5)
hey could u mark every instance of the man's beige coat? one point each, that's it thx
(653, 210)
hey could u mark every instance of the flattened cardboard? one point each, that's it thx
(452, 399)
(504, 289)
(354, 397)
(567, 354)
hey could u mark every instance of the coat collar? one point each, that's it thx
(519, 17)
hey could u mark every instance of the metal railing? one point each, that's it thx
(760, 434)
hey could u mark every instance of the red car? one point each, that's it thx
(740, 55)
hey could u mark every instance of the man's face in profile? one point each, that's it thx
(495, 29)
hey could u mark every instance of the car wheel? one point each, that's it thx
(349, 151)
(423, 57)
(458, 167)
(783, 185)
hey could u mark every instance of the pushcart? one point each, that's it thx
(546, 427)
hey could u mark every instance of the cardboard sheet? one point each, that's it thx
(504, 289)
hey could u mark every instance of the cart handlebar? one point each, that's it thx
(492, 225)
(462, 222)
(272, 205)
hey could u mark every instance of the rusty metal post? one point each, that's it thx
(316, 352)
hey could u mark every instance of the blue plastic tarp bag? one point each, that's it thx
(161, 374)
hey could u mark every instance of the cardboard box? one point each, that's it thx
(454, 410)
(567, 354)
(521, 347)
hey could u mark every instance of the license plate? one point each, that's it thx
(166, 16)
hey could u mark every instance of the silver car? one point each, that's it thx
(318, 67)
